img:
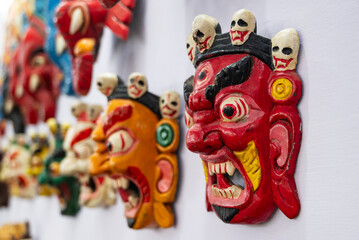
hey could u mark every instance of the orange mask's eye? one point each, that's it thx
(120, 142)
(233, 109)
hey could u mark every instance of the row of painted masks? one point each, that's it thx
(129, 149)
(241, 110)
(51, 46)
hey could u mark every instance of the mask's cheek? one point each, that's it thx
(144, 216)
(236, 136)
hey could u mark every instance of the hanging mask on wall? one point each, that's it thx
(56, 48)
(4, 189)
(241, 111)
(137, 140)
(34, 79)
(39, 148)
(15, 165)
(68, 186)
(80, 24)
(96, 190)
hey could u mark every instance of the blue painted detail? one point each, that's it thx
(40, 8)
(63, 61)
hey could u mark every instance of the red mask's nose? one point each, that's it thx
(200, 141)
(197, 101)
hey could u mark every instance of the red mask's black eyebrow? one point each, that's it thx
(188, 88)
(234, 74)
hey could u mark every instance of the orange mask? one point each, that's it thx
(136, 145)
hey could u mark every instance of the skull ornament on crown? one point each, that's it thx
(204, 31)
(191, 47)
(137, 85)
(241, 111)
(78, 144)
(106, 83)
(81, 24)
(242, 25)
(137, 140)
(285, 48)
(170, 105)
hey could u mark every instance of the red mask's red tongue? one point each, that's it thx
(222, 182)
(124, 195)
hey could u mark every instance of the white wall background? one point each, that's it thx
(327, 169)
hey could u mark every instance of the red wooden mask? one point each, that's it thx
(81, 23)
(243, 118)
(34, 79)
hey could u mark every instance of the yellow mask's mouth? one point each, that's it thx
(227, 180)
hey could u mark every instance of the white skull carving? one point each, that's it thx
(242, 25)
(94, 111)
(170, 104)
(191, 47)
(204, 31)
(78, 109)
(106, 83)
(137, 85)
(285, 48)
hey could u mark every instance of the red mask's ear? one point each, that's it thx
(285, 135)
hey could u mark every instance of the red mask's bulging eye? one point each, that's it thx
(229, 111)
(233, 109)
(202, 75)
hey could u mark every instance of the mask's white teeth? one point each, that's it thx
(230, 192)
(19, 91)
(60, 45)
(77, 20)
(211, 168)
(123, 183)
(34, 82)
(236, 191)
(230, 168)
(133, 200)
(221, 168)
(85, 189)
(128, 205)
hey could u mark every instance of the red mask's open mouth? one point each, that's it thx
(232, 176)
